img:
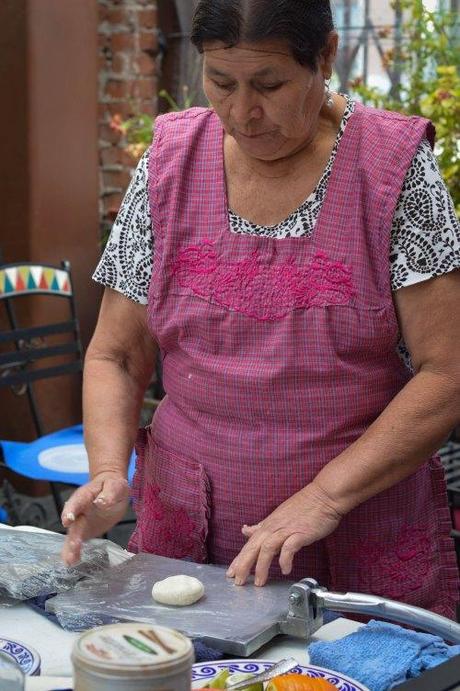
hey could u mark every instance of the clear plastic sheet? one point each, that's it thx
(31, 565)
(124, 593)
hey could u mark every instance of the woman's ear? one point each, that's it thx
(329, 54)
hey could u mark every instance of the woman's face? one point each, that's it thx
(265, 99)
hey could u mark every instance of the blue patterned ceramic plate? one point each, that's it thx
(26, 657)
(203, 672)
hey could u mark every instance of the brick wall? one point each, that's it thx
(128, 48)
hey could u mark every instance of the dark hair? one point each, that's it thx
(304, 24)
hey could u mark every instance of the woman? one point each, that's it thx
(286, 223)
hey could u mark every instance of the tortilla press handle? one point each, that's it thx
(308, 600)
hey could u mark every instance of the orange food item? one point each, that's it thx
(299, 682)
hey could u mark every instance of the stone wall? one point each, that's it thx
(128, 79)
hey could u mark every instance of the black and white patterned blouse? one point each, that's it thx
(425, 238)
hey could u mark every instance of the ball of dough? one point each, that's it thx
(178, 590)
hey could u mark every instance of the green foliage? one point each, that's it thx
(427, 58)
(186, 100)
(138, 129)
(442, 105)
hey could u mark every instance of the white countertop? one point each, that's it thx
(54, 645)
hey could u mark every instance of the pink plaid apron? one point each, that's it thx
(277, 355)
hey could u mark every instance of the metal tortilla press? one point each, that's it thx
(308, 600)
(236, 620)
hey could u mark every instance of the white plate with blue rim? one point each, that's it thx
(25, 657)
(204, 672)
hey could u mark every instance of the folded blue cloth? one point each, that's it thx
(203, 653)
(382, 655)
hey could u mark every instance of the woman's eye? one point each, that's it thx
(271, 87)
(224, 87)
(261, 87)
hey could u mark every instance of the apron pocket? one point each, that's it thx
(171, 497)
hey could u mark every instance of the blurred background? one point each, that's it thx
(81, 84)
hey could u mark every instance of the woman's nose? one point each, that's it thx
(245, 107)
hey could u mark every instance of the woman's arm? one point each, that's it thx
(420, 417)
(118, 367)
(409, 430)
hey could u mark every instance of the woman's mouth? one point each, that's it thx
(254, 136)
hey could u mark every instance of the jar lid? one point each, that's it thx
(132, 646)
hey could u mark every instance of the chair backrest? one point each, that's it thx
(26, 349)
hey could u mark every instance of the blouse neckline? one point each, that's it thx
(236, 219)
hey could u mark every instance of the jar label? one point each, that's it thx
(133, 645)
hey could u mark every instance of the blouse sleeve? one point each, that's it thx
(126, 264)
(426, 232)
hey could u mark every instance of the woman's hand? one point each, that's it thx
(304, 518)
(92, 510)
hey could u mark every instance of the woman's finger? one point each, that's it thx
(268, 551)
(80, 501)
(288, 551)
(71, 552)
(246, 559)
(104, 494)
(249, 530)
(67, 517)
(91, 524)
